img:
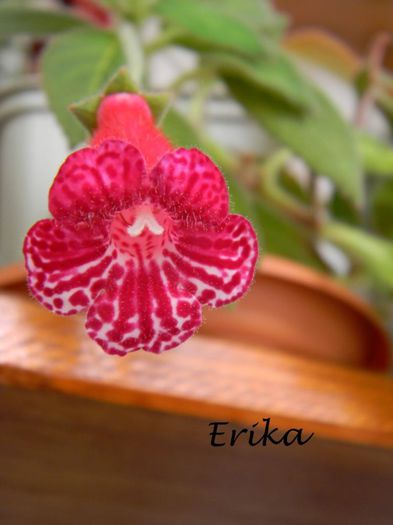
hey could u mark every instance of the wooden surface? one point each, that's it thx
(208, 377)
(66, 460)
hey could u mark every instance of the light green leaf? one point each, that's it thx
(209, 25)
(374, 254)
(179, 131)
(257, 15)
(276, 75)
(320, 136)
(377, 156)
(37, 22)
(382, 209)
(75, 66)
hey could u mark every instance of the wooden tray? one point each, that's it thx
(212, 376)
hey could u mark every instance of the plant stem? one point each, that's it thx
(191, 74)
(270, 187)
(375, 63)
(165, 38)
(132, 49)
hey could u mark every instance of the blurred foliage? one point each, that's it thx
(242, 47)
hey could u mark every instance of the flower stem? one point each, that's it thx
(132, 49)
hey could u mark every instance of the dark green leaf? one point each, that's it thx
(281, 236)
(382, 209)
(343, 209)
(37, 22)
(320, 136)
(75, 66)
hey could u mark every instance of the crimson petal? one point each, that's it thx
(99, 181)
(145, 307)
(218, 265)
(66, 264)
(190, 185)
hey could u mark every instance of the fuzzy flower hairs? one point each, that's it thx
(141, 235)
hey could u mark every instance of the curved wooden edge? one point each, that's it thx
(293, 272)
(12, 274)
(271, 266)
(208, 378)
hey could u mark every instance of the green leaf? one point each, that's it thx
(374, 254)
(320, 136)
(377, 156)
(342, 209)
(281, 236)
(75, 66)
(257, 15)
(382, 209)
(179, 130)
(37, 22)
(208, 24)
(276, 75)
(133, 9)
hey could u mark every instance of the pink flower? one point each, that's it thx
(141, 236)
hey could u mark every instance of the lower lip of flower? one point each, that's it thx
(141, 231)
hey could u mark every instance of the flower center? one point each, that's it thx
(145, 220)
(141, 231)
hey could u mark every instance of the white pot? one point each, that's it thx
(32, 147)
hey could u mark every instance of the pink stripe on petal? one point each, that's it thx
(66, 264)
(218, 265)
(147, 309)
(97, 181)
(190, 185)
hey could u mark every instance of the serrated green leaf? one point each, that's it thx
(377, 156)
(208, 24)
(374, 254)
(320, 136)
(34, 21)
(382, 209)
(276, 75)
(75, 66)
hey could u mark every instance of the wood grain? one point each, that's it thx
(207, 377)
(67, 460)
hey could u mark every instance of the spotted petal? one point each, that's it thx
(66, 264)
(147, 308)
(190, 185)
(218, 265)
(97, 181)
